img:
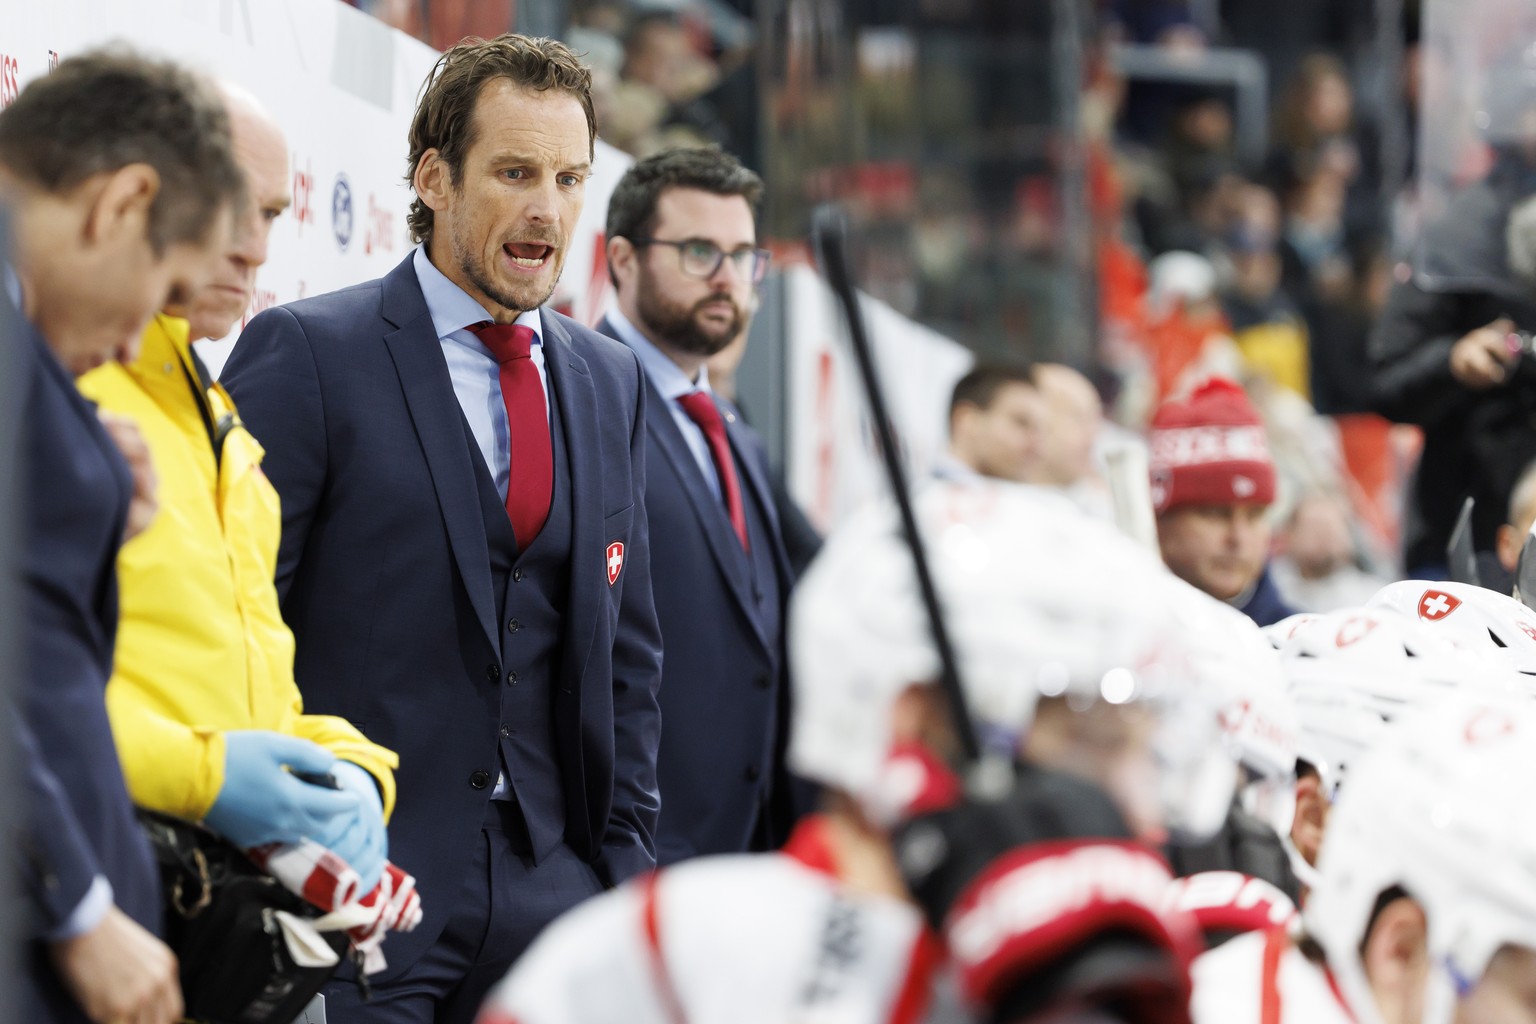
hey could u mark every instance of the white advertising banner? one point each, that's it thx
(832, 459)
(342, 85)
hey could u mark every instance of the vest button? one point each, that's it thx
(492, 671)
(752, 773)
(480, 779)
(517, 575)
(763, 681)
(511, 678)
(513, 625)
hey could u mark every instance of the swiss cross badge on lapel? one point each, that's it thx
(615, 561)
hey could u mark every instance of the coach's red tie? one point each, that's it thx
(700, 407)
(531, 479)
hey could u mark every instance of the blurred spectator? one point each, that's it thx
(1339, 326)
(1445, 356)
(995, 415)
(1314, 258)
(1318, 133)
(1339, 27)
(1213, 481)
(1186, 329)
(1266, 323)
(1316, 569)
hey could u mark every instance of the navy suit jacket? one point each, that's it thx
(79, 821)
(724, 694)
(385, 576)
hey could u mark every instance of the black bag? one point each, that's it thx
(221, 923)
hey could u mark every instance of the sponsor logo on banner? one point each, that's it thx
(341, 212)
(379, 235)
(303, 195)
(10, 71)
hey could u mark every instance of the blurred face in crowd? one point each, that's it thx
(688, 317)
(1000, 439)
(1330, 105)
(91, 279)
(1317, 538)
(1072, 415)
(1221, 549)
(262, 154)
(501, 227)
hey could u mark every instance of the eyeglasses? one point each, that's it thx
(702, 259)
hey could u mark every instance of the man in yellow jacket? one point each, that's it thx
(208, 720)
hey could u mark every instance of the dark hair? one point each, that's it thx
(632, 207)
(107, 109)
(981, 385)
(445, 114)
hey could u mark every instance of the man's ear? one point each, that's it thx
(119, 202)
(1311, 817)
(1396, 957)
(622, 258)
(432, 180)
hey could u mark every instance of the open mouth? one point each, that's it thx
(529, 255)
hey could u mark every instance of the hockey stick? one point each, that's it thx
(829, 235)
(1460, 559)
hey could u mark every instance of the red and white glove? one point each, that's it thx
(327, 882)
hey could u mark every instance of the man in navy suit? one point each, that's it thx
(122, 182)
(464, 560)
(682, 251)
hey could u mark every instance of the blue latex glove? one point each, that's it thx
(359, 839)
(262, 801)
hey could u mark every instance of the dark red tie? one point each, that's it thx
(700, 407)
(531, 479)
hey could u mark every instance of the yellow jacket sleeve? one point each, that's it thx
(341, 738)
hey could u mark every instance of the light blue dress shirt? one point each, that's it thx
(474, 371)
(673, 384)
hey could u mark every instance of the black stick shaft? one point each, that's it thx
(829, 232)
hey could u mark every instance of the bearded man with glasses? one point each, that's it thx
(683, 256)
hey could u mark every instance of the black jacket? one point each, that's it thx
(1475, 442)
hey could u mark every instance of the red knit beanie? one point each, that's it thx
(1210, 449)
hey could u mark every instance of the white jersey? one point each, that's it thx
(739, 939)
(1262, 978)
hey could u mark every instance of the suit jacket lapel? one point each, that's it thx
(571, 382)
(708, 509)
(435, 413)
(746, 450)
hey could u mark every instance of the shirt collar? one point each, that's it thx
(451, 307)
(668, 377)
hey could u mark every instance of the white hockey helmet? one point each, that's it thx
(1476, 619)
(1440, 809)
(1277, 633)
(1235, 659)
(1352, 672)
(1039, 600)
